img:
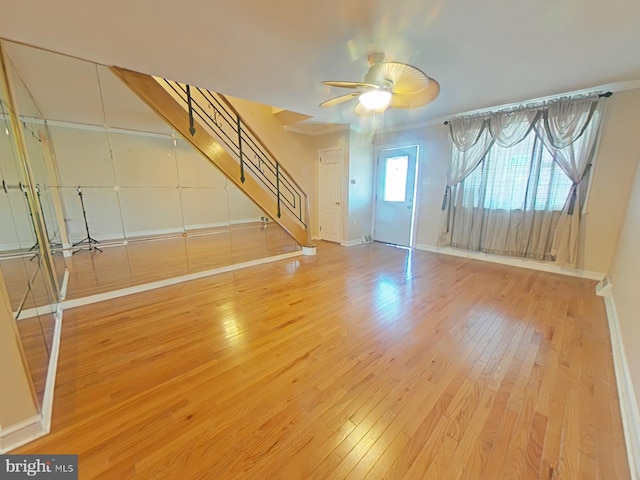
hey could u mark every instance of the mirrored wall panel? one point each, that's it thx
(125, 199)
(25, 266)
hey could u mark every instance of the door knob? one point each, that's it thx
(337, 203)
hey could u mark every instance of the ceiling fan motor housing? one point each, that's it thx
(376, 77)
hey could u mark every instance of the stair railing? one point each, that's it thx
(216, 112)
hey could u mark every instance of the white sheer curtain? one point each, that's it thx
(472, 140)
(516, 176)
(511, 203)
(473, 137)
(569, 131)
(512, 126)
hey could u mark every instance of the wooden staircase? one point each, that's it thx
(210, 123)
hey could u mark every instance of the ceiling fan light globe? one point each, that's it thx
(375, 99)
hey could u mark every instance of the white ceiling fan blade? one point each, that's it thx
(341, 84)
(416, 99)
(338, 100)
(405, 79)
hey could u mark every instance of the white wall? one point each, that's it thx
(17, 230)
(433, 158)
(625, 276)
(613, 176)
(359, 183)
(295, 152)
(137, 184)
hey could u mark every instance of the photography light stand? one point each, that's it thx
(53, 245)
(88, 242)
(35, 246)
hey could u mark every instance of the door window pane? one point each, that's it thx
(395, 179)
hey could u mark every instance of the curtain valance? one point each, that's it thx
(564, 119)
(558, 125)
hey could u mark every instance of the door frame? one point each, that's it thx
(318, 185)
(416, 190)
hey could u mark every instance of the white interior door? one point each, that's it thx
(395, 189)
(330, 193)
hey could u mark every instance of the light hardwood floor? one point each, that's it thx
(363, 362)
(148, 260)
(37, 338)
(145, 260)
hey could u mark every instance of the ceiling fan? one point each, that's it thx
(387, 85)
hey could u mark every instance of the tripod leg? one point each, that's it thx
(88, 239)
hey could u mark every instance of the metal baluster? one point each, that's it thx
(240, 149)
(278, 186)
(293, 197)
(192, 128)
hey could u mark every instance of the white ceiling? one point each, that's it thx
(277, 52)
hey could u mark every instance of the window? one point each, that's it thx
(395, 179)
(521, 177)
(517, 200)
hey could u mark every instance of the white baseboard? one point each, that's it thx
(50, 385)
(514, 262)
(36, 311)
(78, 302)
(309, 250)
(240, 221)
(629, 409)
(247, 220)
(105, 237)
(351, 243)
(21, 433)
(203, 226)
(39, 425)
(65, 284)
(119, 236)
(6, 247)
(46, 309)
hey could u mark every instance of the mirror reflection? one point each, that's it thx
(31, 293)
(126, 201)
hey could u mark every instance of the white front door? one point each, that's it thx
(330, 194)
(395, 189)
